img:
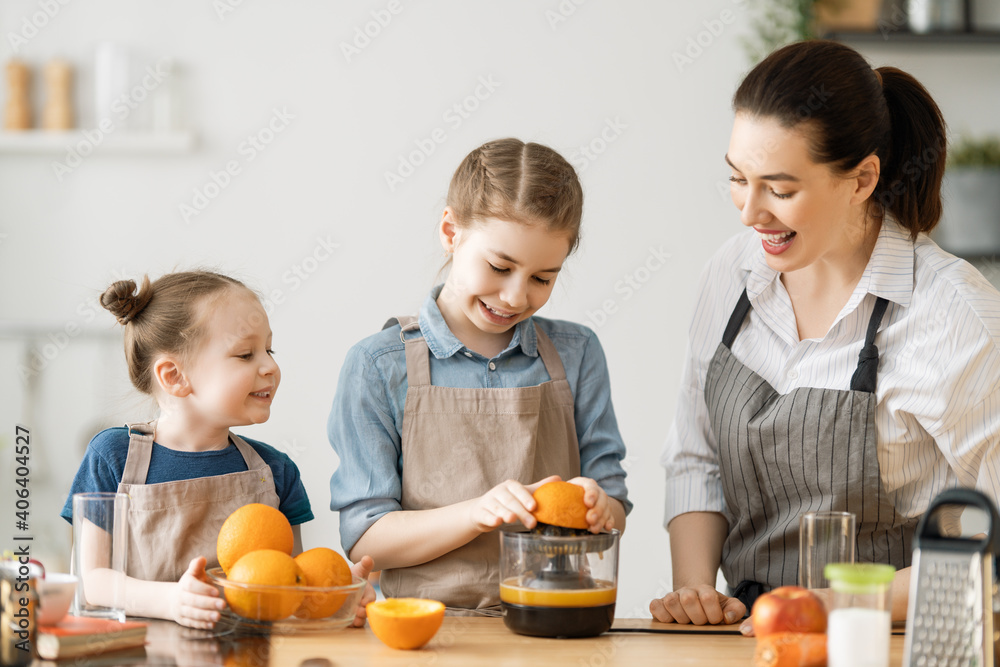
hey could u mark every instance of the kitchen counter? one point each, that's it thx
(460, 641)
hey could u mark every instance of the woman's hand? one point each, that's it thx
(362, 569)
(506, 502)
(195, 602)
(697, 605)
(599, 514)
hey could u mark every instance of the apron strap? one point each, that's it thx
(736, 319)
(140, 449)
(550, 356)
(250, 455)
(864, 377)
(418, 362)
(418, 369)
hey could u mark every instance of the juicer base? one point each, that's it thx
(558, 622)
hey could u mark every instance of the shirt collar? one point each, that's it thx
(889, 272)
(443, 343)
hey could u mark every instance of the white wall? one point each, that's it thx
(660, 184)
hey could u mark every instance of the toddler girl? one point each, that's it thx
(200, 344)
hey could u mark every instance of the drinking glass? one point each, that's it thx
(824, 538)
(100, 554)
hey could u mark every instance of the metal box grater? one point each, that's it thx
(951, 617)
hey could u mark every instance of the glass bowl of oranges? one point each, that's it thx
(269, 591)
(287, 609)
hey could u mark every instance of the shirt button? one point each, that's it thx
(493, 366)
(793, 375)
(468, 354)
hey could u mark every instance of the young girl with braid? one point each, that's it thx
(446, 423)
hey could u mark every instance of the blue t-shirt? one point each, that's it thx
(104, 463)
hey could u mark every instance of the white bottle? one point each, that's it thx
(111, 81)
(859, 625)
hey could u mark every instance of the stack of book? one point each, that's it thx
(75, 636)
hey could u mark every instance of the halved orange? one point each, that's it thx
(405, 623)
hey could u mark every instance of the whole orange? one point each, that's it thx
(561, 504)
(405, 623)
(791, 649)
(252, 527)
(265, 567)
(323, 567)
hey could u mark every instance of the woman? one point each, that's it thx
(838, 358)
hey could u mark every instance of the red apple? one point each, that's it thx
(788, 609)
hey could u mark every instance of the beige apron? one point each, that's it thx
(458, 444)
(173, 522)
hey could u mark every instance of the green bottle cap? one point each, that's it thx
(859, 577)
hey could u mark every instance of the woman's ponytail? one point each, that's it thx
(909, 188)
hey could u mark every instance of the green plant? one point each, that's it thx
(780, 22)
(970, 152)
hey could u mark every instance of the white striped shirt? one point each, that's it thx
(938, 390)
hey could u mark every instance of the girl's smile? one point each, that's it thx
(496, 315)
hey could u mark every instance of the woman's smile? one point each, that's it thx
(775, 242)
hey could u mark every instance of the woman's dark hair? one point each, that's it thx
(850, 111)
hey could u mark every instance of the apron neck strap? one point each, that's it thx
(418, 363)
(550, 356)
(250, 455)
(736, 319)
(418, 367)
(864, 377)
(140, 449)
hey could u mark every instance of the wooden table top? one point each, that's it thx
(468, 642)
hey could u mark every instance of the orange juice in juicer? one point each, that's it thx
(558, 582)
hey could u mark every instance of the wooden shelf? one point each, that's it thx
(121, 142)
(906, 37)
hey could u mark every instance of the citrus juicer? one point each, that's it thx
(558, 582)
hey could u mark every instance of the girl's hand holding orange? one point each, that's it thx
(507, 502)
(599, 515)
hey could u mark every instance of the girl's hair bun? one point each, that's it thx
(124, 302)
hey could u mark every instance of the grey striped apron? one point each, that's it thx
(781, 455)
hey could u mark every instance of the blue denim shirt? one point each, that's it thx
(367, 416)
